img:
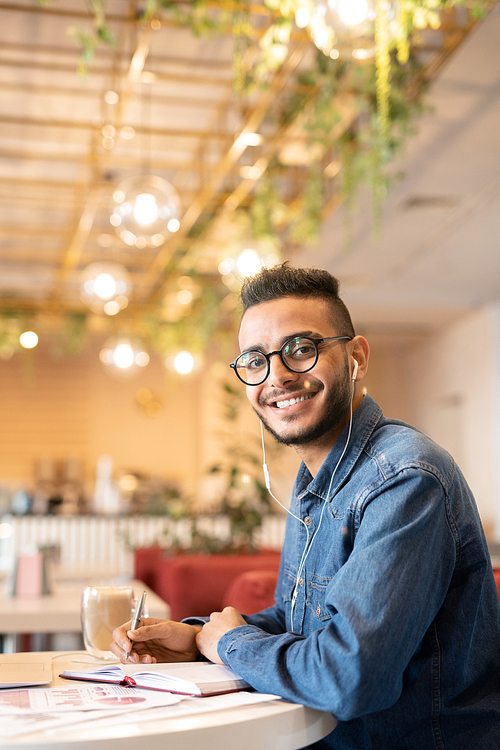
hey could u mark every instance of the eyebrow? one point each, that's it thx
(284, 339)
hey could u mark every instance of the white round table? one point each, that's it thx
(272, 725)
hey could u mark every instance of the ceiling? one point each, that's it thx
(65, 145)
(438, 255)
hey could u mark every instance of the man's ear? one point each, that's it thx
(360, 352)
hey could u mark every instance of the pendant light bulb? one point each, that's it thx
(104, 286)
(352, 12)
(145, 209)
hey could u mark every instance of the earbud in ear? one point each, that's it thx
(354, 371)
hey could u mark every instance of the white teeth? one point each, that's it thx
(292, 401)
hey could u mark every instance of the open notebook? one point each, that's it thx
(186, 678)
(24, 673)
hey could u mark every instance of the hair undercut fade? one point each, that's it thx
(284, 281)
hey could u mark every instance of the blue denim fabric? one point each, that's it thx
(396, 625)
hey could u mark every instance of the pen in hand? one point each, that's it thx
(136, 618)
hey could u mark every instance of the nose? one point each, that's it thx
(279, 374)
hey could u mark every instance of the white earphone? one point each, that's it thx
(355, 370)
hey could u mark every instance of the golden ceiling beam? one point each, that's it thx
(87, 93)
(24, 182)
(255, 9)
(195, 80)
(123, 162)
(54, 10)
(38, 122)
(10, 231)
(107, 52)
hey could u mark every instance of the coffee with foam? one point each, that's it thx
(104, 608)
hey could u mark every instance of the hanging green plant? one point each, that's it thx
(383, 66)
(377, 72)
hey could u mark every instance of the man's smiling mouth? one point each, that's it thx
(292, 401)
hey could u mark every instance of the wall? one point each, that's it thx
(71, 408)
(453, 379)
(385, 380)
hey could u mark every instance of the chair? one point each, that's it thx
(195, 584)
(252, 591)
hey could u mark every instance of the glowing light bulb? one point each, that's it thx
(173, 225)
(302, 17)
(123, 356)
(127, 133)
(111, 307)
(224, 268)
(352, 12)
(184, 297)
(320, 37)
(184, 363)
(250, 139)
(248, 263)
(145, 209)
(28, 339)
(111, 97)
(104, 286)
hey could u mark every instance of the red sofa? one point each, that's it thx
(198, 584)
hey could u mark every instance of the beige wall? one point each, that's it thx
(71, 408)
(454, 386)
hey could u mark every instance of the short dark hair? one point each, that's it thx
(285, 281)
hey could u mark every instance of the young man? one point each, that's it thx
(386, 609)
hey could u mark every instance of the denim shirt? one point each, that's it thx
(396, 623)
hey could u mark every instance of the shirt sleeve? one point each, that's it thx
(271, 620)
(382, 601)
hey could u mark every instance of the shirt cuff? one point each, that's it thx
(195, 620)
(232, 639)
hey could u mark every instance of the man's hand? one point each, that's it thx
(156, 641)
(219, 623)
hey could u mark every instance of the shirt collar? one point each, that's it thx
(364, 421)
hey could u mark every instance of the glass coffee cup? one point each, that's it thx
(103, 609)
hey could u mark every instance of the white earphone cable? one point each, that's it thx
(309, 542)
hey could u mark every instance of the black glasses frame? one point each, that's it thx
(314, 342)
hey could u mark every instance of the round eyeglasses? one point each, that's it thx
(298, 354)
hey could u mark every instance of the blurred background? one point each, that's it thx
(152, 154)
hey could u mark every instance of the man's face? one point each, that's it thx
(298, 408)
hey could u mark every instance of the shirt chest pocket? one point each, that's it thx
(288, 583)
(316, 595)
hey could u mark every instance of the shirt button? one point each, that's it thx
(308, 520)
(318, 610)
(301, 581)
